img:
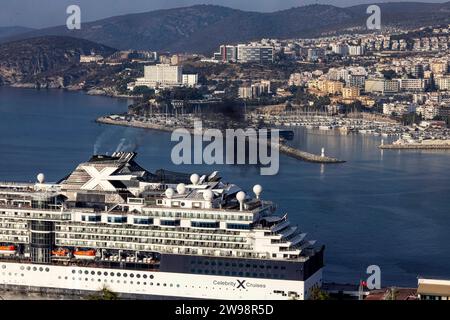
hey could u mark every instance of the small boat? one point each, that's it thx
(8, 250)
(85, 254)
(61, 252)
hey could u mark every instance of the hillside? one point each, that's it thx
(13, 31)
(202, 28)
(25, 61)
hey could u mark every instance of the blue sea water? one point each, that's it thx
(389, 208)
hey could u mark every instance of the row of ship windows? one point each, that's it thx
(170, 223)
(240, 265)
(148, 239)
(150, 233)
(112, 274)
(240, 273)
(145, 283)
(157, 230)
(191, 215)
(100, 280)
(147, 243)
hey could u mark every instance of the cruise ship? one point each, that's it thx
(163, 235)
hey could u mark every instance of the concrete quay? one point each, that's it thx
(414, 146)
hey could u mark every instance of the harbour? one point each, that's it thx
(334, 203)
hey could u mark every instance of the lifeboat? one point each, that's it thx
(8, 250)
(60, 252)
(85, 254)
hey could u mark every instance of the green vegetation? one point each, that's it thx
(104, 294)
(318, 294)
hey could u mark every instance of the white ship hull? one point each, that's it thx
(145, 283)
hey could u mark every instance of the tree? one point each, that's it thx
(318, 294)
(391, 294)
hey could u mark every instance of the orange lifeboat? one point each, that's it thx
(9, 250)
(85, 254)
(60, 252)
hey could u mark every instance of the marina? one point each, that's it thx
(335, 204)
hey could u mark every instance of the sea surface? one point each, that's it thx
(385, 208)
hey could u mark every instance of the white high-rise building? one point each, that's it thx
(161, 75)
(356, 50)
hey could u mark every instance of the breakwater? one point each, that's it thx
(284, 149)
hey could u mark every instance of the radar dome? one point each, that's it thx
(181, 188)
(240, 196)
(257, 189)
(170, 193)
(195, 178)
(41, 178)
(208, 195)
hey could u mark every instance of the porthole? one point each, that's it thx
(34, 269)
(47, 269)
(92, 272)
(119, 274)
(28, 268)
(41, 269)
(112, 274)
(22, 268)
(105, 273)
(131, 275)
(73, 271)
(3, 267)
(151, 277)
(138, 276)
(125, 275)
(80, 272)
(86, 272)
(99, 273)
(144, 276)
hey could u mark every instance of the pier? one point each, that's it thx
(306, 156)
(284, 149)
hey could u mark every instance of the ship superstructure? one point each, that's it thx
(111, 223)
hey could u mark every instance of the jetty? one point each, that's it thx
(306, 156)
(283, 148)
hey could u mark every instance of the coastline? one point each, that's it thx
(284, 149)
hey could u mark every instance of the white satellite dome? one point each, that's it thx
(257, 189)
(169, 193)
(181, 188)
(241, 196)
(41, 178)
(208, 195)
(195, 178)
